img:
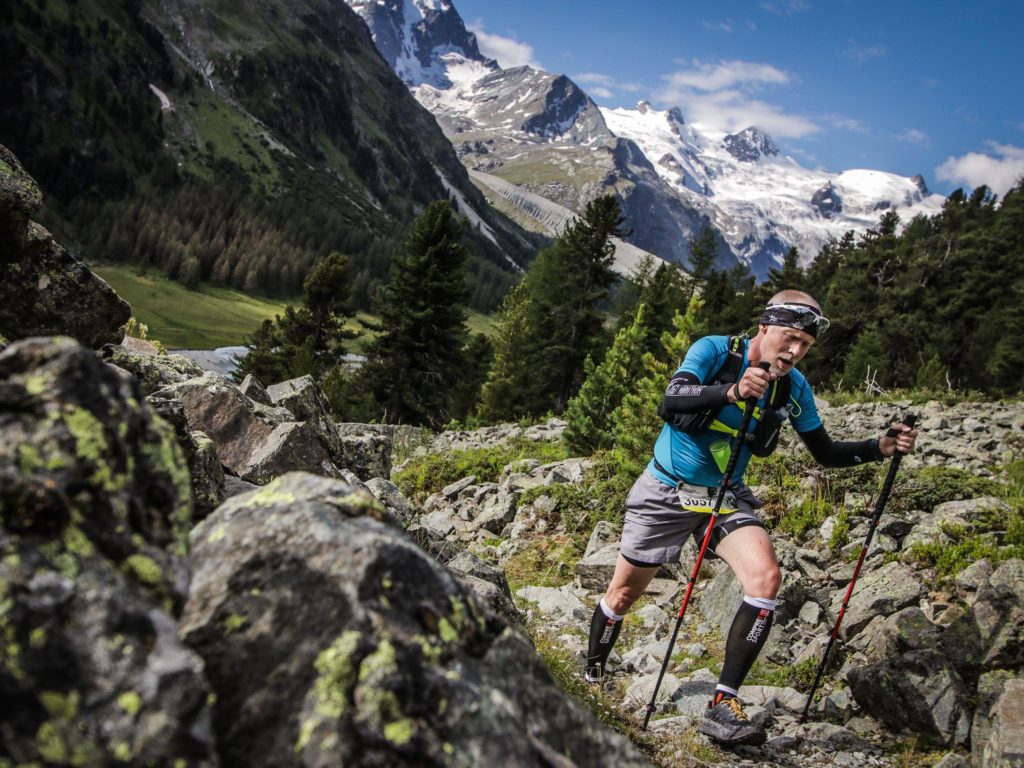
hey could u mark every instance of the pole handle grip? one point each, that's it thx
(764, 367)
(909, 421)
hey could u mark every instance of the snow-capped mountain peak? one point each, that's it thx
(750, 145)
(422, 39)
(541, 132)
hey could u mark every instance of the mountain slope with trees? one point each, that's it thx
(231, 144)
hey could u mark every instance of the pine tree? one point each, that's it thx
(504, 393)
(558, 317)
(663, 289)
(790, 278)
(309, 340)
(417, 359)
(635, 421)
(589, 413)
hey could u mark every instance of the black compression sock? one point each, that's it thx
(604, 629)
(747, 636)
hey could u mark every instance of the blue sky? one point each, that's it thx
(910, 87)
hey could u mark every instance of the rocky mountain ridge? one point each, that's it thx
(541, 131)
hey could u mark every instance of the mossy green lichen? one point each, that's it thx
(270, 496)
(165, 453)
(91, 445)
(130, 702)
(60, 740)
(29, 460)
(123, 751)
(50, 743)
(374, 702)
(60, 706)
(10, 651)
(399, 732)
(60, 559)
(76, 542)
(145, 570)
(337, 675)
(37, 638)
(379, 663)
(37, 383)
(233, 623)
(430, 648)
(446, 631)
(338, 671)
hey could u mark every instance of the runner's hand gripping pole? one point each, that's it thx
(883, 497)
(734, 455)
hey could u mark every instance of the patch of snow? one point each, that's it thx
(165, 103)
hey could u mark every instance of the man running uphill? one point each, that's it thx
(674, 497)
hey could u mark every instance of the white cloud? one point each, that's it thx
(913, 136)
(721, 97)
(708, 77)
(507, 51)
(785, 7)
(844, 123)
(1000, 170)
(725, 25)
(864, 53)
(604, 86)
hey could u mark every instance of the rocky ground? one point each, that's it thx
(195, 572)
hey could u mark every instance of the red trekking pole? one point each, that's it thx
(883, 497)
(734, 455)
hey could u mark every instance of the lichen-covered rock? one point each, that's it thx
(43, 289)
(291, 446)
(990, 635)
(997, 736)
(254, 390)
(254, 441)
(20, 198)
(330, 638)
(880, 592)
(95, 511)
(919, 690)
(303, 398)
(153, 371)
(367, 448)
(204, 466)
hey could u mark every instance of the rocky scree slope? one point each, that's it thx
(917, 656)
(296, 624)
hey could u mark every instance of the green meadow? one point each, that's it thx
(210, 316)
(206, 318)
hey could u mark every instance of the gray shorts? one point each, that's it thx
(656, 525)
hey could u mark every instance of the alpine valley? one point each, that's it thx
(231, 143)
(527, 135)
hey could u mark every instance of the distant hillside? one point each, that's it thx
(232, 143)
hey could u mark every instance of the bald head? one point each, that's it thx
(794, 297)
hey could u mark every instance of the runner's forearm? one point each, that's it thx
(839, 453)
(685, 394)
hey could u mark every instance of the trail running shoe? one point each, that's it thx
(727, 724)
(592, 675)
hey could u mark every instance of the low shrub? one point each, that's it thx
(425, 475)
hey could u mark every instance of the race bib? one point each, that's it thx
(700, 498)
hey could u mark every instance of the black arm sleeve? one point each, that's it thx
(685, 394)
(831, 453)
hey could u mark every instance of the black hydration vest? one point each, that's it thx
(764, 438)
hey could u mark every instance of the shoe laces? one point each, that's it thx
(737, 709)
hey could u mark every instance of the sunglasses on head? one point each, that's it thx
(803, 317)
